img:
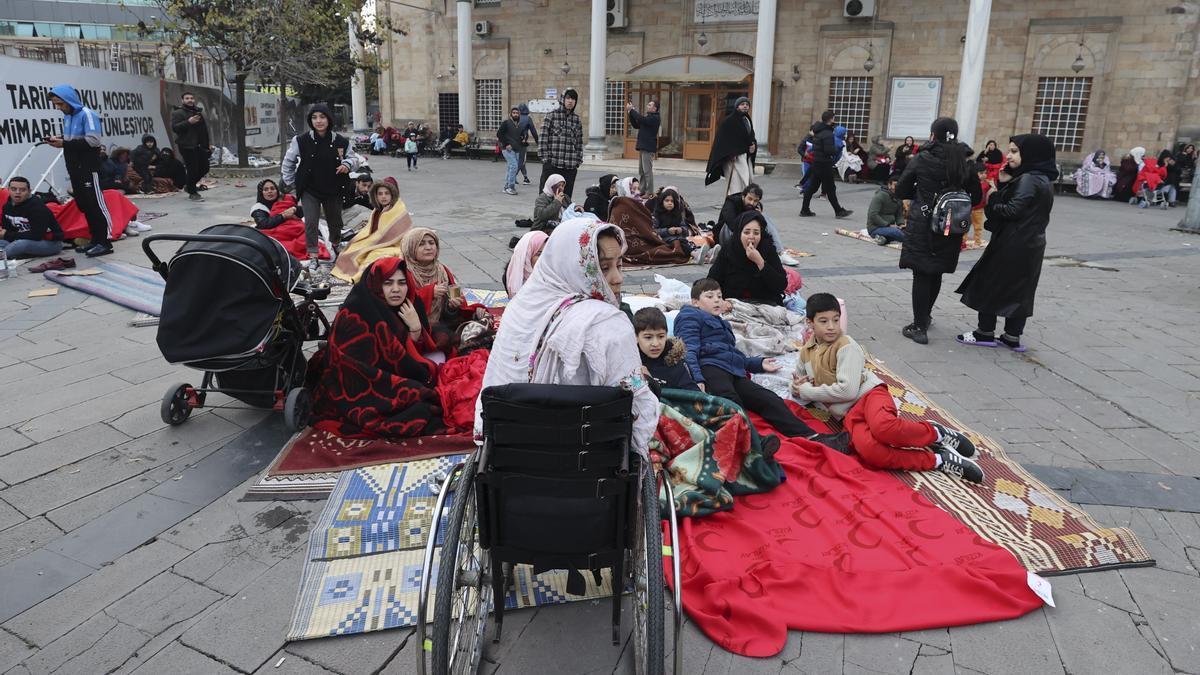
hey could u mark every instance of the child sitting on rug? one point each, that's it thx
(721, 370)
(664, 358)
(832, 371)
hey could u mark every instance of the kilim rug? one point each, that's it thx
(1012, 509)
(138, 288)
(316, 451)
(292, 487)
(366, 551)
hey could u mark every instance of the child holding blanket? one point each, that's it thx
(832, 371)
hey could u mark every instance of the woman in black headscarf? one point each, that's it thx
(1004, 280)
(990, 154)
(748, 268)
(599, 196)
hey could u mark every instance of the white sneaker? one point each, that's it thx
(788, 260)
(140, 226)
(131, 232)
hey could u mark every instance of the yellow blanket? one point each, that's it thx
(379, 239)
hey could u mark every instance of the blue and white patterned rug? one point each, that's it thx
(365, 553)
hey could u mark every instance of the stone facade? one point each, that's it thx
(1142, 57)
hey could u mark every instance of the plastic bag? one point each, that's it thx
(672, 288)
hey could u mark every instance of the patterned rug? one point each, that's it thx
(862, 235)
(316, 451)
(365, 555)
(292, 487)
(1012, 509)
(138, 288)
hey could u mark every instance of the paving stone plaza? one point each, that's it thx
(125, 548)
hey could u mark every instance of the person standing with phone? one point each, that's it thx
(647, 142)
(193, 142)
(80, 143)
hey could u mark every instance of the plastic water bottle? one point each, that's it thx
(3, 264)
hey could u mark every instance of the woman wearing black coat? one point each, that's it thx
(943, 164)
(748, 268)
(1004, 280)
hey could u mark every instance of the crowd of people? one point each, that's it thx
(1142, 181)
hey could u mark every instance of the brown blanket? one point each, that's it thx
(645, 247)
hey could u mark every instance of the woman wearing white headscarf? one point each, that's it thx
(628, 187)
(565, 326)
(1095, 178)
(524, 257)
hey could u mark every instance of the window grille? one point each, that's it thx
(1060, 110)
(614, 108)
(850, 98)
(489, 104)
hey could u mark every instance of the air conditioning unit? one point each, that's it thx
(483, 28)
(615, 15)
(858, 9)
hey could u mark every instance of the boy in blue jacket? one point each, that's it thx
(721, 370)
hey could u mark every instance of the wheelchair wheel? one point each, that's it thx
(464, 590)
(648, 584)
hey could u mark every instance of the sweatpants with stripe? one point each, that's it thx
(90, 198)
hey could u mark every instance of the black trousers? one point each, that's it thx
(744, 392)
(195, 160)
(823, 175)
(90, 198)
(521, 162)
(925, 289)
(1013, 325)
(549, 169)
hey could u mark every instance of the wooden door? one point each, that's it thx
(699, 123)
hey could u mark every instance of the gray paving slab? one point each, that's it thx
(1091, 636)
(98, 645)
(1016, 647)
(44, 457)
(121, 530)
(162, 602)
(242, 457)
(290, 664)
(367, 653)
(11, 440)
(1113, 488)
(32, 578)
(181, 660)
(9, 516)
(26, 537)
(245, 630)
(60, 613)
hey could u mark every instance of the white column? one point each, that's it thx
(597, 66)
(970, 81)
(764, 68)
(358, 83)
(466, 68)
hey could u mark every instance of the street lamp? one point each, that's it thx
(566, 68)
(453, 70)
(702, 38)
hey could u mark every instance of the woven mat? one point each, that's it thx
(138, 288)
(292, 487)
(365, 553)
(862, 235)
(1012, 509)
(317, 451)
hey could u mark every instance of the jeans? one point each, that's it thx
(521, 164)
(512, 159)
(30, 248)
(1171, 192)
(312, 205)
(412, 159)
(889, 233)
(1013, 325)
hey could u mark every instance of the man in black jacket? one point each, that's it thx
(192, 140)
(509, 135)
(647, 142)
(825, 155)
(30, 230)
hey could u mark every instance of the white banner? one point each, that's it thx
(128, 106)
(913, 104)
(262, 119)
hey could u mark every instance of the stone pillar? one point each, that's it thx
(597, 65)
(358, 83)
(466, 68)
(1191, 217)
(970, 81)
(764, 67)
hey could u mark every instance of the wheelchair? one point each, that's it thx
(556, 486)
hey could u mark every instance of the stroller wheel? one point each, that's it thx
(175, 409)
(296, 409)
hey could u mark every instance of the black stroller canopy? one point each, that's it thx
(223, 299)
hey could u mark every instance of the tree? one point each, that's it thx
(289, 42)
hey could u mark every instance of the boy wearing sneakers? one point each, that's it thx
(832, 371)
(721, 370)
(664, 358)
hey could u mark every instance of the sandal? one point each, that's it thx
(976, 339)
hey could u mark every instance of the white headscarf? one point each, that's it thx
(1138, 153)
(553, 180)
(521, 264)
(566, 322)
(625, 187)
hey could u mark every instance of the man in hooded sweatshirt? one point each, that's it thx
(528, 128)
(317, 163)
(145, 160)
(561, 145)
(81, 145)
(733, 150)
(192, 140)
(825, 156)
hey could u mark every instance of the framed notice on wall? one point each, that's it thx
(913, 104)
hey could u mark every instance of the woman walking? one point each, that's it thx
(1004, 280)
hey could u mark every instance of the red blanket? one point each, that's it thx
(290, 232)
(839, 548)
(459, 382)
(74, 223)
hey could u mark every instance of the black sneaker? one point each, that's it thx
(97, 250)
(953, 440)
(839, 441)
(807, 213)
(915, 333)
(844, 213)
(959, 467)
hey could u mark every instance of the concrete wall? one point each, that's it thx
(1142, 57)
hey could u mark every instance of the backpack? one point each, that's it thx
(950, 213)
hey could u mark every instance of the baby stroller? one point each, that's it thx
(227, 310)
(555, 486)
